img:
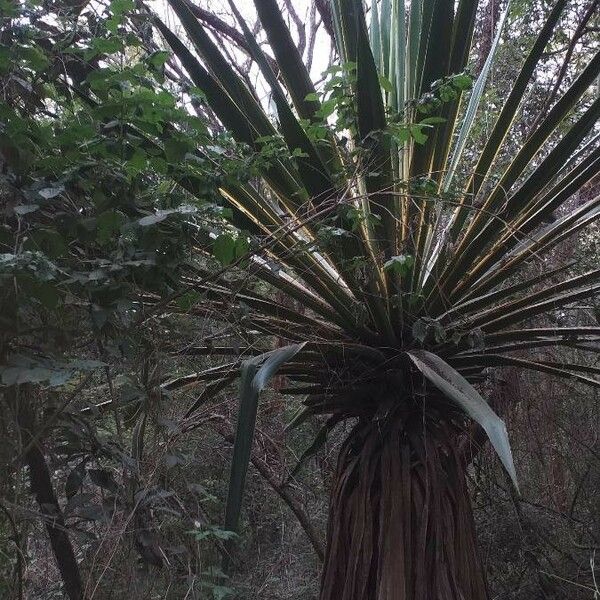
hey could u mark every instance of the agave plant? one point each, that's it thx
(407, 264)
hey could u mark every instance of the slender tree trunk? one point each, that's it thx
(400, 523)
(41, 487)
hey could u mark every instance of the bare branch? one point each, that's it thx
(313, 28)
(325, 12)
(299, 23)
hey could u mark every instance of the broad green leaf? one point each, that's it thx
(176, 149)
(21, 369)
(152, 219)
(108, 224)
(224, 249)
(51, 192)
(400, 264)
(104, 479)
(386, 84)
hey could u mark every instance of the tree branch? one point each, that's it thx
(286, 496)
(579, 32)
(41, 486)
(325, 12)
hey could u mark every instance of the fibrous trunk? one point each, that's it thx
(400, 521)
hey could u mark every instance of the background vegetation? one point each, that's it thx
(103, 233)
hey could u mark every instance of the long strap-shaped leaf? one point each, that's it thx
(522, 198)
(256, 373)
(285, 182)
(572, 333)
(541, 343)
(193, 379)
(456, 388)
(474, 102)
(551, 200)
(295, 74)
(221, 69)
(316, 445)
(312, 170)
(434, 59)
(435, 46)
(538, 244)
(321, 277)
(483, 318)
(371, 120)
(375, 36)
(241, 124)
(209, 392)
(397, 58)
(250, 113)
(460, 311)
(518, 339)
(374, 177)
(556, 159)
(495, 139)
(462, 36)
(507, 116)
(415, 26)
(499, 360)
(467, 250)
(520, 228)
(543, 306)
(434, 56)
